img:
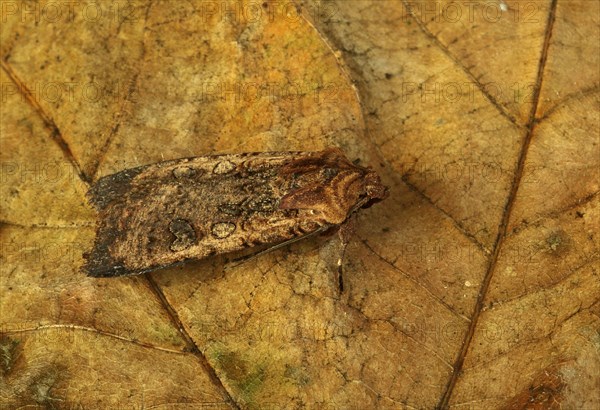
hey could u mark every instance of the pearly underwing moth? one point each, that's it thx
(162, 214)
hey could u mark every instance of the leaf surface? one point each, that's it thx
(475, 284)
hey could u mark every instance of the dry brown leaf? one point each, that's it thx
(475, 285)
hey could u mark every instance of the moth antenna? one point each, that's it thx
(345, 233)
(341, 269)
(243, 259)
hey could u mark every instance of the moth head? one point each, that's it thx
(330, 187)
(374, 190)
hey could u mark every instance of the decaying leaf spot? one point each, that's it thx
(42, 386)
(272, 198)
(558, 243)
(8, 354)
(546, 391)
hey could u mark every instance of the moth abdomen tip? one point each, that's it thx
(112, 187)
(99, 264)
(100, 271)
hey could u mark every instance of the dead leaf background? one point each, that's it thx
(475, 285)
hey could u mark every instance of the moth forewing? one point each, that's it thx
(161, 214)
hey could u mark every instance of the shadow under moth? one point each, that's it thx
(162, 214)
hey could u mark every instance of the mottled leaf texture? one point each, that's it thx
(474, 285)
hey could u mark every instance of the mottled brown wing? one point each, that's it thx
(162, 214)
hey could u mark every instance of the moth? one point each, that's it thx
(162, 214)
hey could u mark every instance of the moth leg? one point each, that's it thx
(246, 258)
(345, 232)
